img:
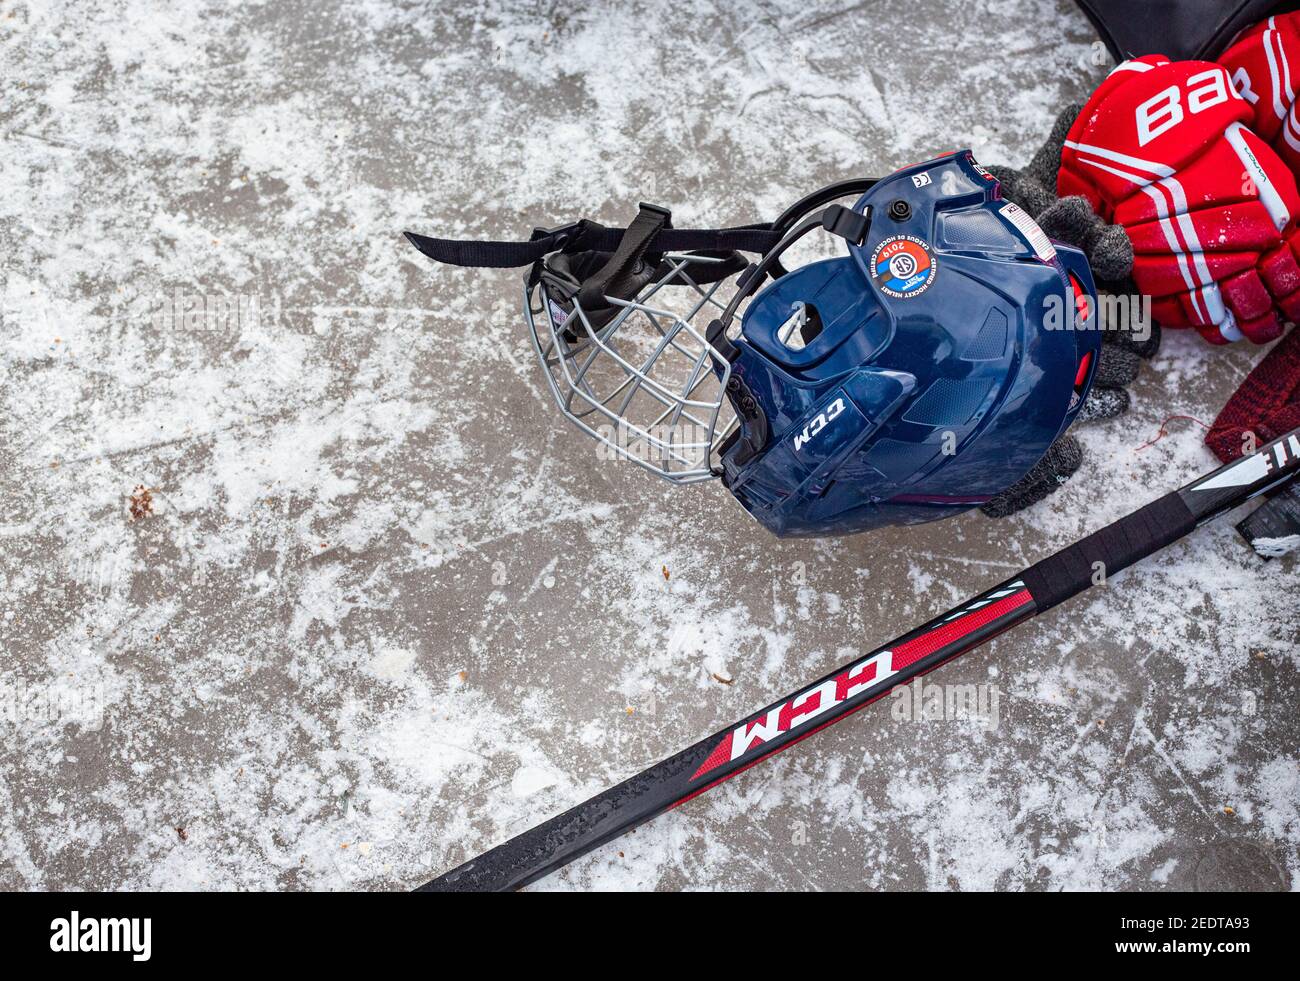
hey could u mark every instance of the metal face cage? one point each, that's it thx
(644, 383)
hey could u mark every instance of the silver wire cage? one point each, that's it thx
(647, 385)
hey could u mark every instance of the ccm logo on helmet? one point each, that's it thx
(1164, 110)
(819, 423)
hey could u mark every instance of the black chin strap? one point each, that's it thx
(591, 236)
(633, 256)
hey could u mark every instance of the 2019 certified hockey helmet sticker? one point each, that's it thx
(903, 266)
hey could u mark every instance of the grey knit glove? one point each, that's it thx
(1124, 345)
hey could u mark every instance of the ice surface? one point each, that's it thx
(385, 609)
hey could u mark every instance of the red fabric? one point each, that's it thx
(1264, 63)
(1161, 149)
(1265, 407)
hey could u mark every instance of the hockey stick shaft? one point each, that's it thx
(544, 848)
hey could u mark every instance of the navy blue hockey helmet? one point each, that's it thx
(922, 374)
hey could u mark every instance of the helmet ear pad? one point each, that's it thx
(577, 266)
(811, 312)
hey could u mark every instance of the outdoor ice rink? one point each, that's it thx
(316, 590)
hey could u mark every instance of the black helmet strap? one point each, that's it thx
(635, 251)
(626, 270)
(591, 236)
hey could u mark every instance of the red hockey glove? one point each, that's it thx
(1162, 149)
(1264, 63)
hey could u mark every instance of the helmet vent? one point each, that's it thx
(978, 228)
(949, 402)
(900, 461)
(991, 342)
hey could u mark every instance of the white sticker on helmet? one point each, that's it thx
(1027, 227)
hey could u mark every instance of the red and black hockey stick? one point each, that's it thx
(531, 855)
